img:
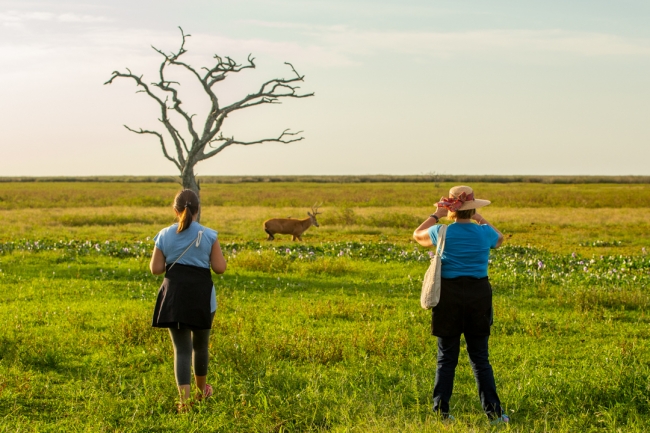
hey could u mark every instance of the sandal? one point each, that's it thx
(205, 395)
(183, 407)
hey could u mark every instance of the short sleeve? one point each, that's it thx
(433, 233)
(158, 239)
(491, 234)
(210, 235)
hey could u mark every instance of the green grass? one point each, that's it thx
(17, 195)
(322, 343)
(325, 335)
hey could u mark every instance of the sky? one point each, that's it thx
(411, 87)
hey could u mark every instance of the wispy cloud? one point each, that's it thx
(295, 26)
(344, 39)
(77, 18)
(327, 46)
(495, 41)
(20, 19)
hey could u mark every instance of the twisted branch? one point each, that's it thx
(162, 143)
(230, 141)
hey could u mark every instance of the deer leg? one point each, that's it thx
(270, 238)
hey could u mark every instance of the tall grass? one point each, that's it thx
(304, 194)
(611, 231)
(347, 216)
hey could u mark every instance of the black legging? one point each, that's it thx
(190, 347)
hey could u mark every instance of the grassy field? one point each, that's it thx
(325, 335)
(304, 194)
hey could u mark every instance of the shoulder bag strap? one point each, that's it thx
(442, 236)
(198, 242)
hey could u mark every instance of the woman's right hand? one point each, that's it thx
(482, 221)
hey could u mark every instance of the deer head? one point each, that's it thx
(313, 213)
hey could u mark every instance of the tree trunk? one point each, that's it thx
(189, 182)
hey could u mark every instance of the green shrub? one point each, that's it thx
(260, 261)
(77, 220)
(344, 216)
(393, 220)
(329, 266)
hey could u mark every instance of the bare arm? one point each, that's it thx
(217, 261)
(157, 263)
(482, 221)
(421, 234)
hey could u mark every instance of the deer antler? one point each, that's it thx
(314, 208)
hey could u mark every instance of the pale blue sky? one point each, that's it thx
(411, 87)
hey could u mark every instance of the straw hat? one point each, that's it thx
(462, 198)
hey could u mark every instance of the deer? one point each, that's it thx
(291, 226)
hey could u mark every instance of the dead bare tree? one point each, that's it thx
(207, 141)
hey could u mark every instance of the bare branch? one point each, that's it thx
(230, 141)
(270, 92)
(219, 71)
(166, 86)
(212, 76)
(162, 142)
(176, 135)
(181, 50)
(300, 77)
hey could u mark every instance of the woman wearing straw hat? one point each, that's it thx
(465, 305)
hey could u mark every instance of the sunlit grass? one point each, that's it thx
(16, 195)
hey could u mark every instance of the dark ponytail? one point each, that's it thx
(186, 203)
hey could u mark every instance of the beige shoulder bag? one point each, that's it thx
(431, 285)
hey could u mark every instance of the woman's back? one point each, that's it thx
(173, 244)
(467, 249)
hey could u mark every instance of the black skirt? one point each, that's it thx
(465, 307)
(184, 299)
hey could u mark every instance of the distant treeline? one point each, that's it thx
(435, 178)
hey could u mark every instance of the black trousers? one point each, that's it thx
(477, 349)
(465, 307)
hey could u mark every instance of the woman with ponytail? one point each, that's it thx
(186, 301)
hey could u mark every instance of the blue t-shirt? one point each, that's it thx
(173, 244)
(467, 249)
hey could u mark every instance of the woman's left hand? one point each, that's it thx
(157, 263)
(441, 212)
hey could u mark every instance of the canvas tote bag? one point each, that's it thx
(431, 284)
